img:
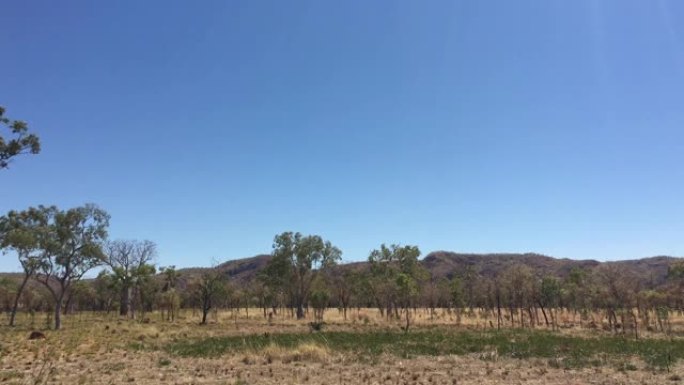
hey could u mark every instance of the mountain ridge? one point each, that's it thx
(447, 264)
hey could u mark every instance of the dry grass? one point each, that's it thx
(101, 349)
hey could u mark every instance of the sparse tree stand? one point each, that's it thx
(22, 141)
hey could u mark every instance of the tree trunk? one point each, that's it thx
(125, 301)
(58, 311)
(544, 313)
(300, 310)
(205, 311)
(498, 312)
(16, 300)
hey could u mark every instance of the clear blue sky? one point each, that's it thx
(483, 126)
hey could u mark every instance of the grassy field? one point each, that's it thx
(366, 348)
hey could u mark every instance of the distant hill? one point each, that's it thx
(652, 271)
(237, 270)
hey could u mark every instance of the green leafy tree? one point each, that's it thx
(296, 261)
(457, 297)
(20, 232)
(320, 298)
(407, 289)
(21, 141)
(70, 244)
(396, 272)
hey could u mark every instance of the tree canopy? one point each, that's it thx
(20, 141)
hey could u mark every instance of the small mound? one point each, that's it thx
(36, 335)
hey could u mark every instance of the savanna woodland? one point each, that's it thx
(444, 192)
(87, 308)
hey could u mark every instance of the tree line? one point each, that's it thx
(304, 277)
(56, 248)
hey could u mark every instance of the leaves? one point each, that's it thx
(22, 141)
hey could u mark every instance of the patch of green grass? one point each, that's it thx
(564, 351)
(164, 362)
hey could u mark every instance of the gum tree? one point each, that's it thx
(296, 261)
(71, 244)
(397, 271)
(19, 232)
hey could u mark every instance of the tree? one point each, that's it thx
(517, 284)
(549, 297)
(397, 271)
(296, 261)
(128, 260)
(170, 299)
(22, 142)
(19, 232)
(210, 287)
(343, 282)
(71, 244)
(146, 289)
(457, 297)
(106, 291)
(320, 297)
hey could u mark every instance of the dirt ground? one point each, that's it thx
(97, 349)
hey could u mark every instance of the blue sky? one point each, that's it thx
(482, 126)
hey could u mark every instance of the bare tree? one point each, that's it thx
(209, 288)
(128, 259)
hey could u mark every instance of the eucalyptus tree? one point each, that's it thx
(128, 261)
(71, 243)
(296, 260)
(19, 232)
(396, 272)
(21, 141)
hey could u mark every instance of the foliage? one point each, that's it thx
(296, 261)
(22, 141)
(63, 244)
